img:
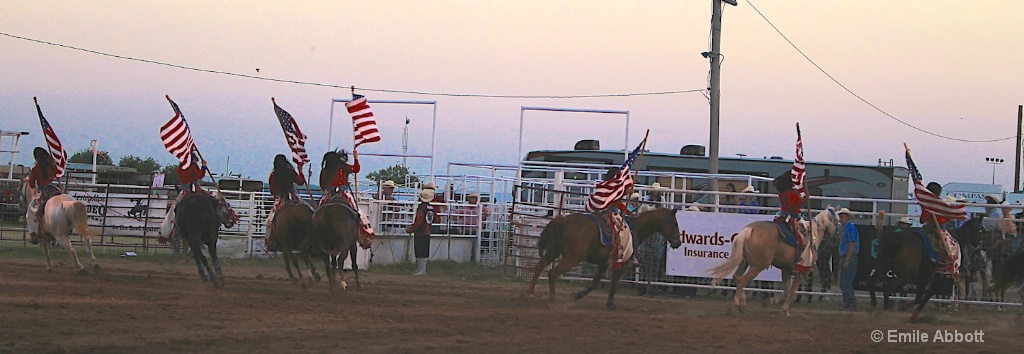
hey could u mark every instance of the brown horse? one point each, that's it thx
(335, 231)
(293, 226)
(577, 238)
(759, 245)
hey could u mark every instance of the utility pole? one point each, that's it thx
(1016, 167)
(716, 66)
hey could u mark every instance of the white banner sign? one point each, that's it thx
(124, 214)
(707, 242)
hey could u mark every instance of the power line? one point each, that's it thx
(310, 83)
(861, 98)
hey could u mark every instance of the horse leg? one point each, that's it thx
(924, 293)
(286, 253)
(555, 272)
(197, 255)
(339, 262)
(46, 251)
(309, 266)
(352, 253)
(739, 298)
(212, 248)
(616, 275)
(537, 270)
(65, 242)
(330, 272)
(794, 280)
(92, 257)
(594, 283)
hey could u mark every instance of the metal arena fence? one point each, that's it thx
(537, 203)
(501, 230)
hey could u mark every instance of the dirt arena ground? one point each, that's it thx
(144, 305)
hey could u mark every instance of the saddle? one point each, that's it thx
(45, 193)
(787, 232)
(929, 248)
(601, 219)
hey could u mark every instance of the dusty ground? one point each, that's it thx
(139, 305)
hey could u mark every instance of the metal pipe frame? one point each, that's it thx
(433, 128)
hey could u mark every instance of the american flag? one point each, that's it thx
(607, 192)
(931, 202)
(799, 173)
(60, 157)
(363, 124)
(296, 139)
(177, 137)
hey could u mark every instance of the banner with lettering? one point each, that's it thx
(707, 242)
(121, 214)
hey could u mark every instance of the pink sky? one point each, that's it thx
(953, 69)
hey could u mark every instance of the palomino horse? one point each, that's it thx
(759, 245)
(63, 213)
(198, 218)
(292, 229)
(577, 238)
(903, 252)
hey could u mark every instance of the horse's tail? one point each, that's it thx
(550, 243)
(1011, 274)
(79, 217)
(723, 270)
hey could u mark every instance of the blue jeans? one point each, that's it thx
(847, 285)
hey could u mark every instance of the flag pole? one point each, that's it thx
(935, 219)
(355, 157)
(807, 190)
(641, 157)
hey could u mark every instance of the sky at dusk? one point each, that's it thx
(953, 68)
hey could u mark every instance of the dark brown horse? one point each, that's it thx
(903, 252)
(335, 225)
(1012, 275)
(336, 230)
(577, 238)
(292, 229)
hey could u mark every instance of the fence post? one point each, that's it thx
(103, 225)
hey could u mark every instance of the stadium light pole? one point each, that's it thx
(993, 161)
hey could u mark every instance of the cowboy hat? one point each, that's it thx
(949, 199)
(845, 211)
(995, 198)
(749, 189)
(655, 185)
(693, 208)
(474, 195)
(906, 220)
(388, 183)
(634, 196)
(429, 185)
(426, 195)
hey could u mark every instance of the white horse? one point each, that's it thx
(759, 245)
(62, 215)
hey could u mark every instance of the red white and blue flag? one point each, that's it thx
(608, 192)
(177, 138)
(363, 123)
(60, 157)
(799, 172)
(295, 138)
(931, 202)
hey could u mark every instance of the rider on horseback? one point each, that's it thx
(937, 232)
(791, 200)
(188, 179)
(616, 214)
(282, 186)
(40, 178)
(335, 175)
